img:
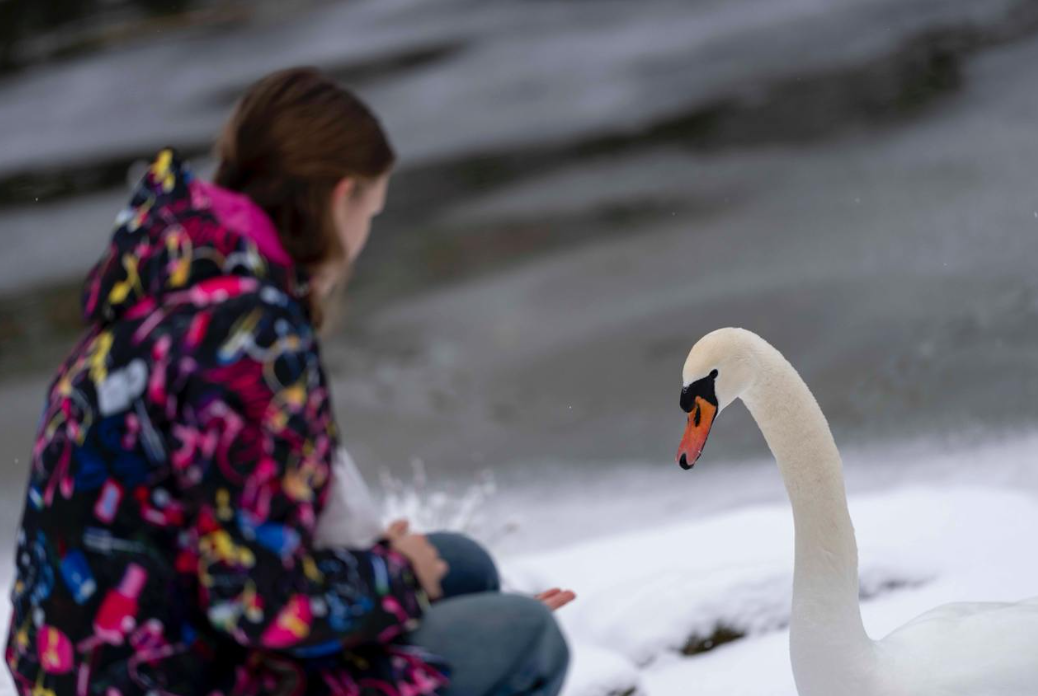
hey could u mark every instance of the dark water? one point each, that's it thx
(585, 189)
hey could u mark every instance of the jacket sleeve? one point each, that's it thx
(255, 439)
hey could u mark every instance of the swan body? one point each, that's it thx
(981, 649)
(985, 648)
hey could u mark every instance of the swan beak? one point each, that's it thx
(700, 420)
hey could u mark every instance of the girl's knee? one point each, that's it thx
(497, 644)
(472, 569)
(547, 652)
(555, 649)
(554, 642)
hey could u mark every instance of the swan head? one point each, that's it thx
(719, 369)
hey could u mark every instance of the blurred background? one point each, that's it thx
(585, 188)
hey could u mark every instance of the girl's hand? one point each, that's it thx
(425, 559)
(397, 529)
(555, 598)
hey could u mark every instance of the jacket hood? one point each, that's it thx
(171, 237)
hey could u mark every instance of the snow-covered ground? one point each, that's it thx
(678, 556)
(643, 595)
(662, 558)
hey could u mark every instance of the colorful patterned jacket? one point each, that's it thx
(182, 457)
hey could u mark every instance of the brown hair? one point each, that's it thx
(294, 135)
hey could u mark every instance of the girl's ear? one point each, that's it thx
(344, 189)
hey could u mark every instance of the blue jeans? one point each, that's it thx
(496, 644)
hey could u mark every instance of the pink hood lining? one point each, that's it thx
(237, 212)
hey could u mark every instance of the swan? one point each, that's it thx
(982, 649)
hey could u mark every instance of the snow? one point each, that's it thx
(678, 557)
(642, 595)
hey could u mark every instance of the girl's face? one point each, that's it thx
(354, 204)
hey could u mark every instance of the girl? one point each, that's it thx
(185, 453)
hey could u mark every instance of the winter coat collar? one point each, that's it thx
(177, 232)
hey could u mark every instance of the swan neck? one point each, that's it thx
(826, 617)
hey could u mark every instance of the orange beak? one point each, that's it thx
(700, 419)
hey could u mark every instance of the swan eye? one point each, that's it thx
(700, 389)
(713, 374)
